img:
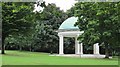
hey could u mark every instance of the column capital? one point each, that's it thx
(60, 35)
(77, 35)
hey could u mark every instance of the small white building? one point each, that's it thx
(67, 29)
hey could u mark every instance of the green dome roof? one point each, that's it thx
(69, 23)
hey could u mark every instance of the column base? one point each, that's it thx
(96, 54)
(61, 54)
(77, 54)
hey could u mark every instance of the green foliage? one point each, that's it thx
(71, 11)
(100, 22)
(47, 23)
(32, 31)
(16, 19)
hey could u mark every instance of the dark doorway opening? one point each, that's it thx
(87, 49)
(69, 45)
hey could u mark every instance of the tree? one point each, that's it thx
(16, 18)
(100, 23)
(47, 23)
(71, 11)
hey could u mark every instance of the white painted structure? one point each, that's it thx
(78, 47)
(67, 29)
(75, 34)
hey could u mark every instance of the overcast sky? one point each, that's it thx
(63, 4)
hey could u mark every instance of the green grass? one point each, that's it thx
(36, 58)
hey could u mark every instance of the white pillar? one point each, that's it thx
(81, 48)
(77, 46)
(61, 50)
(96, 48)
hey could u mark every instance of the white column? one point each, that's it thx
(96, 48)
(61, 50)
(81, 48)
(77, 46)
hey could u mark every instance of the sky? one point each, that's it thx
(63, 4)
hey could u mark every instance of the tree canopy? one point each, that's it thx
(100, 23)
(16, 19)
(47, 23)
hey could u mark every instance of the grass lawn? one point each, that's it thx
(37, 58)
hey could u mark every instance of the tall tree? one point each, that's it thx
(100, 23)
(16, 18)
(48, 23)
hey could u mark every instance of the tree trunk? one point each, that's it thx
(3, 45)
(30, 48)
(106, 51)
(50, 48)
(20, 47)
